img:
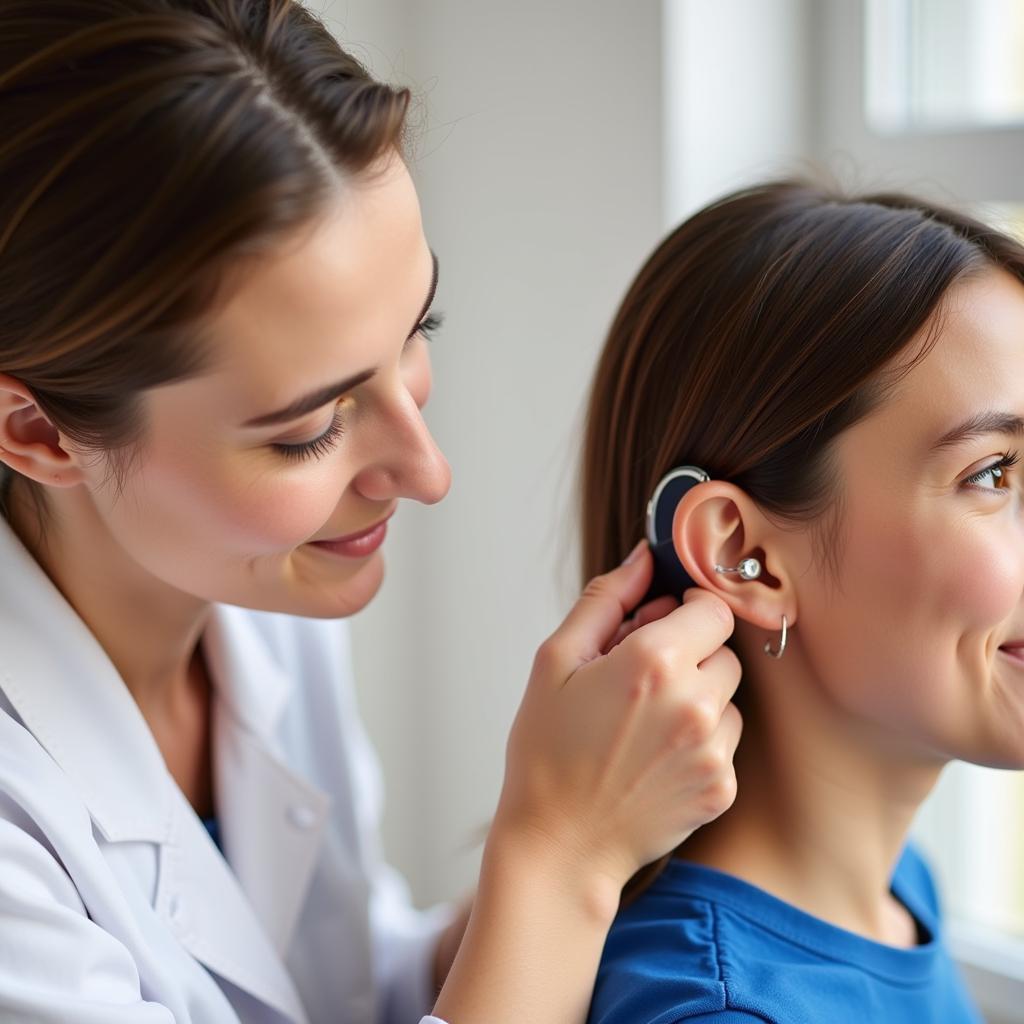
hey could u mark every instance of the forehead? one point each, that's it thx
(321, 305)
(976, 364)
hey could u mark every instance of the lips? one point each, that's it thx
(355, 536)
(1013, 649)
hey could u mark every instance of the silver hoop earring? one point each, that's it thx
(748, 569)
(782, 643)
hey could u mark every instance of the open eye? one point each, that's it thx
(996, 473)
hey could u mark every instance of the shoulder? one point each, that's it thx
(689, 951)
(35, 795)
(661, 961)
(51, 945)
(701, 945)
(45, 829)
(725, 1017)
(666, 962)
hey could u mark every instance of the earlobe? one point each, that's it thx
(29, 442)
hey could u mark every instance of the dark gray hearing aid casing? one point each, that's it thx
(669, 575)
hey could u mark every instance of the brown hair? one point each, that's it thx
(755, 334)
(149, 147)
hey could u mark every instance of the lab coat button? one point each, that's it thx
(302, 817)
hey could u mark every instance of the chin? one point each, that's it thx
(348, 596)
(1005, 752)
(1009, 760)
(313, 595)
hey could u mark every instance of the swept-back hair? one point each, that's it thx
(149, 148)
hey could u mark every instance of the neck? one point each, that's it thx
(824, 806)
(149, 630)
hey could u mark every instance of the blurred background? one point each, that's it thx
(553, 144)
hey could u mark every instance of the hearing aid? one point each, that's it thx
(669, 575)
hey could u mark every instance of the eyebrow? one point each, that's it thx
(315, 399)
(978, 426)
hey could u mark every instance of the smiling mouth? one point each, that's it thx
(1015, 651)
(355, 536)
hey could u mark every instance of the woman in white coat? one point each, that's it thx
(214, 296)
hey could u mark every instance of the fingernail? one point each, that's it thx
(635, 553)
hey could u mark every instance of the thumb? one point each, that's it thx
(600, 610)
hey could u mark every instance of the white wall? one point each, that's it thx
(539, 166)
(738, 98)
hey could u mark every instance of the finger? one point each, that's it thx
(722, 672)
(696, 629)
(594, 620)
(723, 791)
(653, 610)
(650, 612)
(730, 730)
(623, 631)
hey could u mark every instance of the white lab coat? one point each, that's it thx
(115, 905)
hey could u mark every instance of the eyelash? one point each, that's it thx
(428, 326)
(327, 441)
(1008, 460)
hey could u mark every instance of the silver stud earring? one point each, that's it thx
(748, 569)
(782, 643)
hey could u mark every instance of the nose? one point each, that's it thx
(407, 463)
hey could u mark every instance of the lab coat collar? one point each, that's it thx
(72, 699)
(247, 679)
(272, 820)
(70, 696)
(69, 693)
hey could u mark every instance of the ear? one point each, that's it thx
(716, 523)
(29, 442)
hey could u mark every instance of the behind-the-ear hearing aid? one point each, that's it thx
(669, 575)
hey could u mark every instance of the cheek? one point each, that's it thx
(965, 572)
(206, 512)
(281, 508)
(933, 573)
(922, 593)
(989, 579)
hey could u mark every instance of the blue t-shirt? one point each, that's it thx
(704, 947)
(212, 826)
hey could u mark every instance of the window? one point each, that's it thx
(941, 64)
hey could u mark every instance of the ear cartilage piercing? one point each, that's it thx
(748, 569)
(782, 643)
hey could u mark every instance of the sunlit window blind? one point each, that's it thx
(941, 64)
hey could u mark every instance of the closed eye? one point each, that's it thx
(318, 446)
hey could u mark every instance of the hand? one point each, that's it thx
(624, 740)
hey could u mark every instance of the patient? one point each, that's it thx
(850, 372)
